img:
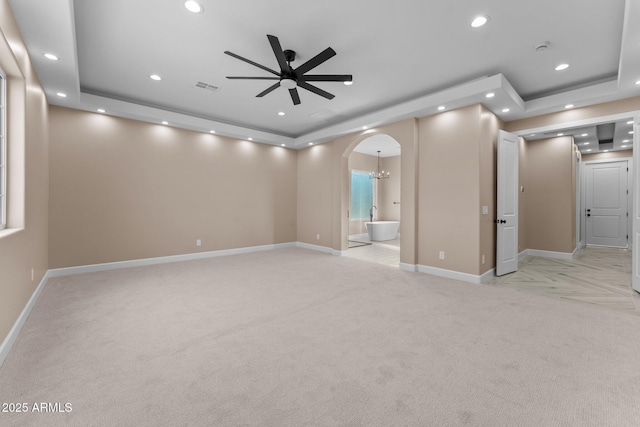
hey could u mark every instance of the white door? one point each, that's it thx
(507, 205)
(635, 278)
(606, 203)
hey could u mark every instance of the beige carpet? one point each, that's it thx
(297, 338)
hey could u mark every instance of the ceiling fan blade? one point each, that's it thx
(294, 96)
(251, 62)
(315, 61)
(268, 90)
(252, 78)
(326, 78)
(315, 90)
(277, 50)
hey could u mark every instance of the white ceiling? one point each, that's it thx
(407, 57)
(387, 146)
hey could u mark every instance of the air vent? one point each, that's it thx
(207, 86)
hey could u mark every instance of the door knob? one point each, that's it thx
(502, 221)
(588, 214)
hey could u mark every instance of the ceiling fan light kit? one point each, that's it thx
(291, 78)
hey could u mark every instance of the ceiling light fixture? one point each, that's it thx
(349, 83)
(283, 145)
(568, 106)
(100, 110)
(288, 83)
(212, 131)
(51, 56)
(623, 146)
(193, 6)
(606, 151)
(441, 108)
(630, 132)
(638, 82)
(585, 134)
(630, 122)
(364, 128)
(61, 94)
(479, 21)
(588, 149)
(506, 110)
(281, 113)
(250, 139)
(490, 95)
(625, 140)
(533, 134)
(562, 67)
(165, 122)
(311, 143)
(561, 134)
(155, 77)
(378, 174)
(586, 143)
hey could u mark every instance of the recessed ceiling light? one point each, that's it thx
(440, 108)
(281, 113)
(630, 132)
(533, 134)
(630, 122)
(623, 146)
(586, 143)
(585, 134)
(588, 149)
(506, 110)
(311, 143)
(61, 94)
(562, 67)
(100, 110)
(165, 122)
(349, 83)
(625, 140)
(193, 6)
(364, 128)
(212, 131)
(490, 95)
(283, 145)
(155, 77)
(561, 134)
(568, 106)
(51, 56)
(479, 21)
(250, 139)
(606, 151)
(638, 82)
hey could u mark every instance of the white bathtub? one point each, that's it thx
(382, 230)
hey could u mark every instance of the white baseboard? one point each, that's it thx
(551, 254)
(487, 275)
(523, 254)
(11, 337)
(450, 274)
(164, 259)
(336, 252)
(318, 248)
(408, 267)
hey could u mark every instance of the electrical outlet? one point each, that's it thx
(441, 254)
(198, 242)
(485, 210)
(317, 237)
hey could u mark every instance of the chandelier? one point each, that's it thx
(379, 174)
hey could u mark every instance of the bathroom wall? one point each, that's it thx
(123, 189)
(23, 245)
(389, 197)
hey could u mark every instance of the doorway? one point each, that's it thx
(374, 200)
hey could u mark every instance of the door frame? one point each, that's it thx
(635, 181)
(583, 196)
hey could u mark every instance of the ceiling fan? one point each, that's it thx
(291, 78)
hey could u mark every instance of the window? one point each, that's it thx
(361, 194)
(3, 151)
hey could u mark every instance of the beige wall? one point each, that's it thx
(123, 189)
(24, 246)
(389, 190)
(522, 195)
(550, 194)
(456, 178)
(589, 112)
(588, 157)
